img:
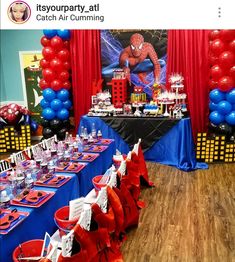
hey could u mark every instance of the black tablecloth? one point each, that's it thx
(149, 129)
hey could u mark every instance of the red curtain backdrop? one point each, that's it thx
(86, 68)
(187, 53)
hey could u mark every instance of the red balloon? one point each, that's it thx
(45, 41)
(227, 35)
(217, 46)
(44, 63)
(56, 65)
(56, 85)
(232, 72)
(213, 84)
(66, 44)
(43, 84)
(48, 74)
(67, 65)
(214, 34)
(213, 60)
(66, 85)
(232, 46)
(48, 53)
(226, 83)
(63, 76)
(63, 55)
(226, 59)
(216, 72)
(57, 43)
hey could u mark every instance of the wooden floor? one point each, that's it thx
(189, 217)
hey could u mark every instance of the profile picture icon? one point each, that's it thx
(19, 12)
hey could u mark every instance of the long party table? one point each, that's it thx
(165, 141)
(41, 220)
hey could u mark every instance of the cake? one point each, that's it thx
(138, 97)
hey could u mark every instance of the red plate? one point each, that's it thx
(84, 157)
(22, 216)
(95, 148)
(104, 141)
(72, 168)
(54, 181)
(2, 187)
(23, 202)
(62, 166)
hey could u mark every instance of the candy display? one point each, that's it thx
(101, 105)
(138, 97)
(151, 108)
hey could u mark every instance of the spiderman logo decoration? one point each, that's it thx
(12, 113)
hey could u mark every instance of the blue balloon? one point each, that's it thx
(27, 119)
(48, 113)
(63, 114)
(233, 107)
(64, 34)
(224, 107)
(216, 96)
(230, 118)
(216, 118)
(67, 104)
(213, 106)
(49, 94)
(56, 104)
(49, 33)
(44, 103)
(2, 124)
(34, 126)
(63, 95)
(230, 96)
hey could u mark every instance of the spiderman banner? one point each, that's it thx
(141, 54)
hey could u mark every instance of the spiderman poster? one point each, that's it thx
(140, 53)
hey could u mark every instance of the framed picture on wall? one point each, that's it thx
(31, 74)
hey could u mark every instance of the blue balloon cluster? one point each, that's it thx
(222, 107)
(64, 33)
(55, 104)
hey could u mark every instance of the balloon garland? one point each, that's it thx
(222, 80)
(55, 83)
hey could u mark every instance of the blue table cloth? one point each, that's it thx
(41, 219)
(175, 148)
(97, 167)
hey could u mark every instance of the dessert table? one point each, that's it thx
(164, 140)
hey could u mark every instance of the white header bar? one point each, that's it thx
(120, 14)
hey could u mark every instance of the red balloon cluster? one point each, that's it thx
(222, 59)
(55, 63)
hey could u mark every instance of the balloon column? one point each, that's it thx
(222, 80)
(55, 83)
